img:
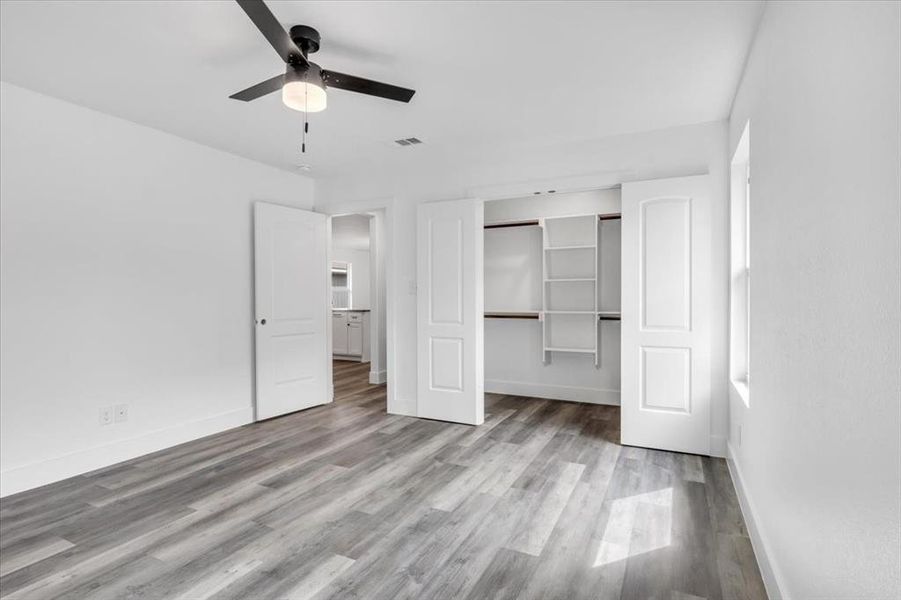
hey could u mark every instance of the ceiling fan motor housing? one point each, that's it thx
(307, 73)
(306, 38)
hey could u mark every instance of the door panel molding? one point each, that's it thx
(665, 379)
(445, 248)
(666, 264)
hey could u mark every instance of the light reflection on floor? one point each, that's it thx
(637, 524)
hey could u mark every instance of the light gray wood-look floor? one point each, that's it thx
(345, 501)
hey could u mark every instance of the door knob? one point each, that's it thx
(262, 321)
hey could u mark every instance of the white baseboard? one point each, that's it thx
(32, 475)
(768, 571)
(378, 377)
(349, 357)
(553, 392)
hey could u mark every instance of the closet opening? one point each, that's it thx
(552, 281)
(357, 308)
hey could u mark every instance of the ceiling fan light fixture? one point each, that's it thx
(305, 97)
(303, 89)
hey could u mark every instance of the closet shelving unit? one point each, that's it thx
(570, 271)
(570, 281)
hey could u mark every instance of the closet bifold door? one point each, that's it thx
(666, 233)
(450, 311)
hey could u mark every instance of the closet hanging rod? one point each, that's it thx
(529, 223)
(610, 216)
(511, 315)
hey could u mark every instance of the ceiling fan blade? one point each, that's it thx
(366, 86)
(261, 89)
(273, 31)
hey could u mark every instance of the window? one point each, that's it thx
(341, 286)
(740, 303)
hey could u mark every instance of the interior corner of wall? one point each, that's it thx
(719, 446)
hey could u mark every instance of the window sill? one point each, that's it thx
(741, 388)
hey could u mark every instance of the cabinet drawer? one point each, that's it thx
(354, 316)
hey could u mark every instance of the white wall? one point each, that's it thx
(125, 277)
(819, 451)
(562, 166)
(514, 348)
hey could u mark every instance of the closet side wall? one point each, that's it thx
(513, 347)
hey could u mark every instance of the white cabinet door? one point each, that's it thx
(339, 333)
(293, 369)
(450, 312)
(355, 338)
(666, 233)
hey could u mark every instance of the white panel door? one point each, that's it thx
(293, 368)
(450, 315)
(666, 314)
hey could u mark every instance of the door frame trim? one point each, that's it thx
(386, 206)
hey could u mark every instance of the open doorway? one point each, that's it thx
(552, 274)
(357, 305)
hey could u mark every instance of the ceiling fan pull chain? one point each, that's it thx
(306, 129)
(306, 125)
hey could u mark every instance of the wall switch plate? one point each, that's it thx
(106, 415)
(121, 413)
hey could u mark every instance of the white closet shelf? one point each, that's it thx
(575, 350)
(576, 247)
(565, 279)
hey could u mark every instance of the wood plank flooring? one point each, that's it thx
(345, 501)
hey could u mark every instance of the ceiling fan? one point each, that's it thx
(304, 83)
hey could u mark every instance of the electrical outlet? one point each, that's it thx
(106, 415)
(121, 413)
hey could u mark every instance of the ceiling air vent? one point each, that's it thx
(408, 141)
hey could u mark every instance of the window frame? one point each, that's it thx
(740, 269)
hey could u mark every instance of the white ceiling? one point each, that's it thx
(488, 75)
(350, 231)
